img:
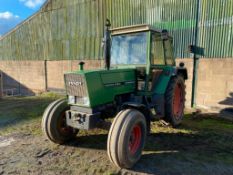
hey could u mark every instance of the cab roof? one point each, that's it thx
(134, 28)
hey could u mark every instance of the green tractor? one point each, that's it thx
(140, 84)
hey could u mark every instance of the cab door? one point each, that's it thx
(162, 62)
(161, 68)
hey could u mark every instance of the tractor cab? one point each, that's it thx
(149, 51)
(141, 46)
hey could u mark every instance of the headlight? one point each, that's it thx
(86, 101)
(79, 100)
(71, 99)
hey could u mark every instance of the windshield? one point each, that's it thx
(129, 49)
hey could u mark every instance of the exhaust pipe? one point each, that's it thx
(107, 44)
(81, 65)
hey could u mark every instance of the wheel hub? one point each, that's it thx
(62, 127)
(135, 139)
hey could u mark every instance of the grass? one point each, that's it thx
(209, 122)
(23, 114)
(203, 139)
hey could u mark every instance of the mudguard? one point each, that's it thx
(161, 86)
(142, 108)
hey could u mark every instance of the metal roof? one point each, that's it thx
(133, 28)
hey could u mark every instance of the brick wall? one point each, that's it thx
(214, 85)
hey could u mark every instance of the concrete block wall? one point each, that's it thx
(214, 84)
(25, 77)
(56, 70)
(32, 75)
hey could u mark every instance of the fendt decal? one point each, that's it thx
(75, 83)
(119, 83)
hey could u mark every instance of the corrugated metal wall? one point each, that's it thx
(216, 27)
(72, 29)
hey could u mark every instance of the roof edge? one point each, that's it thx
(133, 28)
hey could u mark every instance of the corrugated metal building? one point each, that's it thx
(72, 29)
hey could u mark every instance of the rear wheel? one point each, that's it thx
(174, 101)
(54, 123)
(126, 138)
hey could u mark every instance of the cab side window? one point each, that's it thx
(168, 51)
(157, 51)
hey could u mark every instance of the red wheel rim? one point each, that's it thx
(135, 139)
(178, 101)
(62, 127)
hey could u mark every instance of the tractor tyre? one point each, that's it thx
(54, 123)
(175, 100)
(126, 138)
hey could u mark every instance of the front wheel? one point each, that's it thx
(174, 101)
(126, 138)
(54, 123)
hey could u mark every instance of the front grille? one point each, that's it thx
(75, 85)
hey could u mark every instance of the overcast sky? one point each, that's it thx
(12, 12)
